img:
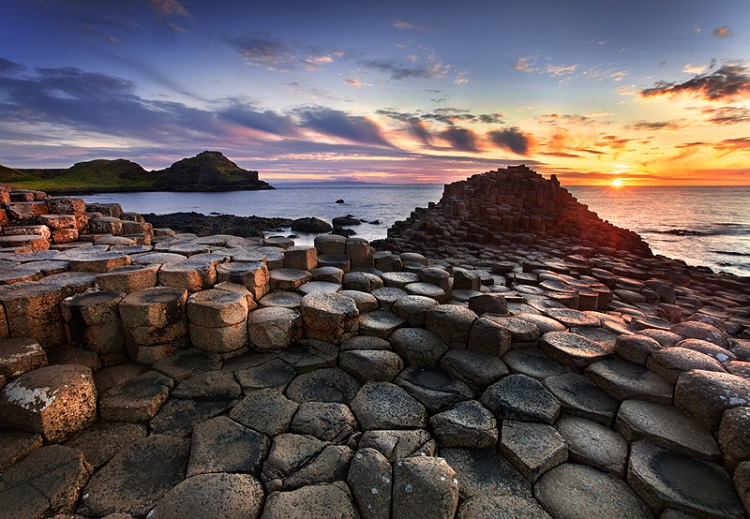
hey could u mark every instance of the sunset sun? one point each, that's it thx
(617, 182)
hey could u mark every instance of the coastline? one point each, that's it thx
(483, 366)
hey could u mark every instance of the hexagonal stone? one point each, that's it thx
(380, 323)
(178, 417)
(581, 397)
(329, 317)
(32, 309)
(667, 427)
(288, 278)
(308, 354)
(270, 374)
(55, 401)
(571, 349)
(418, 347)
(154, 315)
(16, 445)
(129, 278)
(570, 318)
(326, 500)
(223, 445)
(671, 362)
(45, 483)
(370, 479)
(487, 336)
(187, 363)
(326, 421)
(365, 302)
(572, 490)
(298, 460)
(532, 448)
(324, 385)
(518, 397)
(213, 385)
(383, 405)
(103, 440)
(625, 380)
(699, 330)
(452, 323)
(192, 275)
(362, 281)
(395, 445)
(424, 487)
(138, 400)
(19, 355)
(429, 291)
(413, 309)
(734, 436)
(742, 483)
(137, 478)
(485, 472)
(484, 506)
(232, 496)
(474, 368)
(374, 365)
(521, 330)
(543, 323)
(636, 348)
(663, 478)
(467, 424)
(595, 445)
(253, 276)
(433, 388)
(273, 327)
(281, 298)
(217, 308)
(533, 363)
(705, 395)
(267, 411)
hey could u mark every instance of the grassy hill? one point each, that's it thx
(208, 171)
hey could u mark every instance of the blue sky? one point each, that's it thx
(648, 92)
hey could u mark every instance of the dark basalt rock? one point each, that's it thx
(202, 225)
(312, 225)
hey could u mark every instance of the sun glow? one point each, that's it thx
(617, 182)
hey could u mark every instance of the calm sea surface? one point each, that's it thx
(701, 225)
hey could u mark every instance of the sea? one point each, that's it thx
(704, 226)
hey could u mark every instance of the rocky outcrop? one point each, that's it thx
(208, 171)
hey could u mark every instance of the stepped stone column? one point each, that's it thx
(329, 316)
(93, 321)
(155, 323)
(217, 320)
(33, 310)
(254, 276)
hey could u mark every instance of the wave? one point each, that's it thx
(721, 229)
(683, 232)
(730, 253)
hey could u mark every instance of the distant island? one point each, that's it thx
(207, 171)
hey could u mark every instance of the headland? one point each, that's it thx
(503, 351)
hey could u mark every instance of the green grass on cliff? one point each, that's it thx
(96, 174)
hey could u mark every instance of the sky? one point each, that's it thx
(648, 92)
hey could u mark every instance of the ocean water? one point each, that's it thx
(707, 226)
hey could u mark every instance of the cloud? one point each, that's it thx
(722, 32)
(512, 139)
(560, 70)
(727, 115)
(342, 125)
(404, 24)
(398, 70)
(529, 66)
(694, 69)
(659, 125)
(8, 67)
(168, 8)
(524, 65)
(461, 139)
(354, 82)
(266, 121)
(555, 118)
(729, 83)
(261, 49)
(741, 143)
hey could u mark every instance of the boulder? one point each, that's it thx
(424, 487)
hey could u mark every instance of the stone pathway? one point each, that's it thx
(482, 394)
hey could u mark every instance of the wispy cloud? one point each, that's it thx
(694, 69)
(511, 139)
(530, 65)
(168, 7)
(342, 125)
(727, 115)
(730, 82)
(10, 67)
(404, 24)
(430, 68)
(462, 139)
(264, 50)
(656, 125)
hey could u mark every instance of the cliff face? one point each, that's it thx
(208, 171)
(514, 205)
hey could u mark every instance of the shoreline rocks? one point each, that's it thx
(452, 378)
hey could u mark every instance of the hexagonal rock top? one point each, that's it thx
(383, 405)
(518, 397)
(55, 401)
(571, 349)
(329, 316)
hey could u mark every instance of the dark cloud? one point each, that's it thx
(266, 121)
(461, 139)
(263, 50)
(398, 70)
(511, 139)
(729, 82)
(727, 115)
(556, 118)
(340, 124)
(8, 67)
(741, 143)
(658, 125)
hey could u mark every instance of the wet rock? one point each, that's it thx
(418, 347)
(467, 424)
(383, 405)
(572, 490)
(45, 483)
(705, 395)
(212, 495)
(518, 397)
(326, 500)
(663, 478)
(667, 427)
(424, 487)
(395, 445)
(581, 397)
(371, 481)
(223, 445)
(625, 380)
(595, 445)
(137, 478)
(55, 401)
(267, 411)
